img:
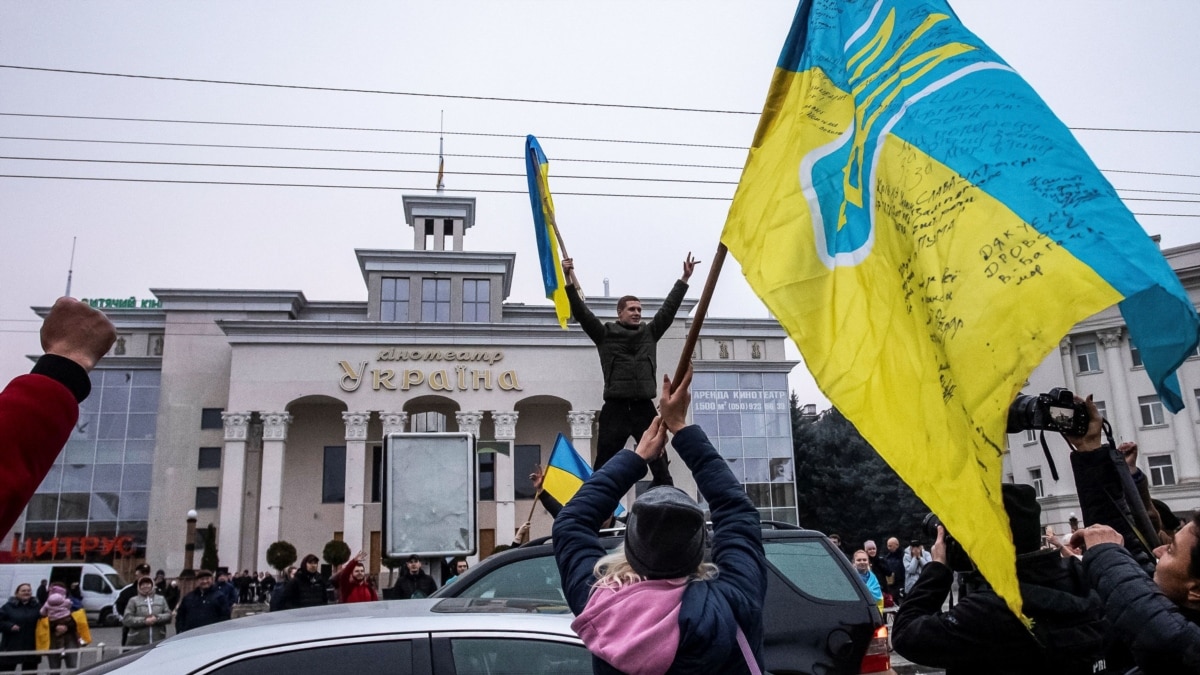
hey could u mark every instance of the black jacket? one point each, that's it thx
(304, 590)
(200, 608)
(895, 564)
(22, 614)
(628, 356)
(1163, 637)
(1105, 489)
(981, 635)
(169, 591)
(409, 585)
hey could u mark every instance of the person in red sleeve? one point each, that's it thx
(354, 584)
(39, 410)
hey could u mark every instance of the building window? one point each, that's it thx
(477, 297)
(210, 458)
(525, 457)
(1162, 470)
(210, 418)
(487, 477)
(428, 422)
(393, 299)
(207, 497)
(333, 475)
(1035, 479)
(1135, 356)
(435, 300)
(1152, 411)
(1030, 436)
(1086, 359)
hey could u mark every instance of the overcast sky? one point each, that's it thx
(1100, 64)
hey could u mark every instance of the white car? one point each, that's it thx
(451, 636)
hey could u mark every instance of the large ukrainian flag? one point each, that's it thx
(927, 231)
(537, 173)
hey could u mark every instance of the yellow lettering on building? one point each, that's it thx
(439, 381)
(412, 378)
(382, 379)
(461, 372)
(508, 381)
(484, 376)
(351, 379)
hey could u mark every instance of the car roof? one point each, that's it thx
(203, 646)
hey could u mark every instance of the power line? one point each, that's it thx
(478, 173)
(337, 168)
(467, 97)
(423, 189)
(1152, 173)
(354, 187)
(557, 160)
(376, 129)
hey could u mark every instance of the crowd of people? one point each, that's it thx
(1121, 593)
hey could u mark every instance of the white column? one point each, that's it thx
(458, 234)
(393, 422)
(1124, 429)
(506, 506)
(581, 430)
(1068, 365)
(1185, 436)
(469, 421)
(353, 509)
(275, 426)
(233, 487)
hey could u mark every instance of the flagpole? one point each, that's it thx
(689, 345)
(536, 496)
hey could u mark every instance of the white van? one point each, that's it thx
(100, 583)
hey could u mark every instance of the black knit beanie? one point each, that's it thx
(664, 538)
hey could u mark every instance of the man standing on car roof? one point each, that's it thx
(628, 359)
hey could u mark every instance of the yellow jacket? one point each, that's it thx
(42, 635)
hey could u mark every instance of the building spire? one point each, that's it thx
(71, 267)
(441, 186)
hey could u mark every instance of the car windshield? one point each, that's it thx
(809, 566)
(115, 580)
(529, 578)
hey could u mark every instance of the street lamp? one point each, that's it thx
(189, 548)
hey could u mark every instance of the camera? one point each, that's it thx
(956, 557)
(1056, 410)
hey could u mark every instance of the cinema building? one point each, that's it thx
(1097, 358)
(265, 412)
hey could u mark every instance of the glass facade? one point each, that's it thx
(100, 484)
(747, 416)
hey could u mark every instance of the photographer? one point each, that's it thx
(915, 560)
(980, 634)
(1154, 607)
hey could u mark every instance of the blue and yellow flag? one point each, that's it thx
(566, 472)
(537, 171)
(927, 231)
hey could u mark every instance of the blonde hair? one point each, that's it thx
(614, 571)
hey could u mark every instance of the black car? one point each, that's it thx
(818, 616)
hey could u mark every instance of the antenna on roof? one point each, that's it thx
(441, 186)
(71, 267)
